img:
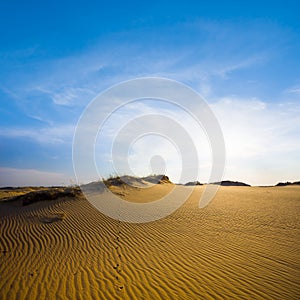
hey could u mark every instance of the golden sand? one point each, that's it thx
(244, 245)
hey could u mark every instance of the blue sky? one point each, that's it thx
(57, 56)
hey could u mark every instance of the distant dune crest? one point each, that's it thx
(231, 183)
(193, 183)
(288, 183)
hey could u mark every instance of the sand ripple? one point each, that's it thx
(244, 245)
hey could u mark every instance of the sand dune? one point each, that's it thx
(244, 245)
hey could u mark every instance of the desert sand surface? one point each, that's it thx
(244, 245)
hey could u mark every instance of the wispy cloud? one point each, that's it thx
(9, 92)
(224, 71)
(68, 96)
(294, 90)
(219, 51)
(47, 135)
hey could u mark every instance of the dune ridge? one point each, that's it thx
(244, 245)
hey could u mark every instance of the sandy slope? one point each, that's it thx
(244, 245)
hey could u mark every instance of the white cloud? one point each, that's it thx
(31, 177)
(142, 130)
(262, 140)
